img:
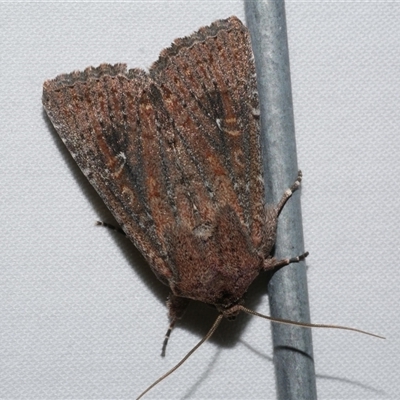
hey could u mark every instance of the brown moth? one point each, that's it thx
(175, 155)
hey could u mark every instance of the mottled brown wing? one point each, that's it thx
(208, 86)
(172, 147)
(107, 121)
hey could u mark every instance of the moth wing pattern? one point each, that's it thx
(209, 82)
(97, 114)
(175, 155)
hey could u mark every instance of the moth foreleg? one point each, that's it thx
(274, 264)
(176, 308)
(112, 227)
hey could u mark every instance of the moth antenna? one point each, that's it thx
(206, 337)
(305, 324)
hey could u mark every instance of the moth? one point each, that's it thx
(175, 155)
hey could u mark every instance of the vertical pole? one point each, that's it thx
(287, 290)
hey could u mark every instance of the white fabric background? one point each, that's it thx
(82, 315)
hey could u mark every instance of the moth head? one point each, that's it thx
(230, 312)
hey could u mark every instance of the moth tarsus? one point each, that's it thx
(166, 338)
(111, 227)
(288, 192)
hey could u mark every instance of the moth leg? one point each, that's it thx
(176, 308)
(112, 227)
(274, 264)
(288, 192)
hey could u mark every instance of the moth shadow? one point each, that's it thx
(378, 392)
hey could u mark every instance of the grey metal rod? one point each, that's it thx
(287, 290)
